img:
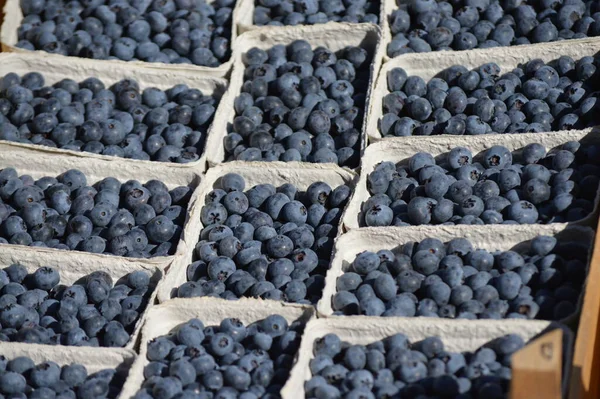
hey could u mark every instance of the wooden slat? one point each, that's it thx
(2, 2)
(537, 368)
(585, 372)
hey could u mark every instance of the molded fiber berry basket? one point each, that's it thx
(390, 6)
(43, 163)
(399, 149)
(73, 267)
(332, 36)
(301, 175)
(13, 17)
(246, 20)
(501, 237)
(165, 317)
(55, 68)
(94, 359)
(428, 65)
(586, 357)
(457, 336)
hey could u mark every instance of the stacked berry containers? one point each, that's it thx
(430, 300)
(301, 176)
(371, 191)
(70, 256)
(191, 263)
(215, 262)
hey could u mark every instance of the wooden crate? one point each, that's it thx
(537, 369)
(585, 372)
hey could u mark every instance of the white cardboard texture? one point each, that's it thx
(498, 53)
(501, 237)
(402, 148)
(94, 360)
(42, 163)
(55, 69)
(13, 16)
(163, 318)
(301, 175)
(458, 336)
(334, 36)
(428, 65)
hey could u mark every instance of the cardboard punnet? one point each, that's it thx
(301, 175)
(500, 237)
(457, 335)
(163, 318)
(400, 149)
(13, 16)
(42, 163)
(73, 268)
(390, 6)
(246, 19)
(93, 359)
(334, 36)
(429, 65)
(55, 69)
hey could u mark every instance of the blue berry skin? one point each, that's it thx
(395, 366)
(313, 12)
(277, 245)
(66, 212)
(485, 24)
(505, 187)
(61, 313)
(121, 121)
(304, 108)
(456, 280)
(485, 100)
(201, 33)
(225, 358)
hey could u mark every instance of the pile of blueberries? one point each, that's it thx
(395, 367)
(230, 360)
(36, 308)
(129, 219)
(455, 280)
(491, 188)
(311, 12)
(22, 378)
(534, 98)
(421, 26)
(168, 31)
(122, 121)
(300, 104)
(267, 242)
